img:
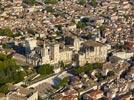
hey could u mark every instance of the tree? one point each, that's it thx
(17, 34)
(99, 76)
(79, 70)
(111, 73)
(29, 2)
(49, 9)
(19, 76)
(59, 27)
(119, 46)
(102, 29)
(1, 8)
(50, 1)
(94, 3)
(62, 83)
(81, 25)
(6, 32)
(4, 89)
(9, 72)
(3, 80)
(45, 69)
(97, 65)
(82, 2)
(39, 98)
(85, 20)
(89, 68)
(79, 96)
(126, 17)
(5, 46)
(64, 66)
(3, 57)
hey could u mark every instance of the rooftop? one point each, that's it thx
(93, 43)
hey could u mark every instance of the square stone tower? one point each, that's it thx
(55, 55)
(77, 43)
(45, 55)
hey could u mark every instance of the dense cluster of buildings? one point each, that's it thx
(75, 34)
(21, 93)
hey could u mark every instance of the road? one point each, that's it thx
(50, 80)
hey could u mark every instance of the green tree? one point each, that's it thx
(4, 89)
(59, 27)
(62, 83)
(126, 17)
(79, 96)
(3, 57)
(3, 80)
(9, 72)
(5, 46)
(63, 66)
(97, 65)
(6, 32)
(99, 76)
(49, 9)
(19, 76)
(94, 3)
(46, 69)
(82, 2)
(81, 25)
(39, 98)
(50, 1)
(29, 2)
(1, 8)
(111, 73)
(102, 29)
(17, 34)
(88, 68)
(79, 70)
